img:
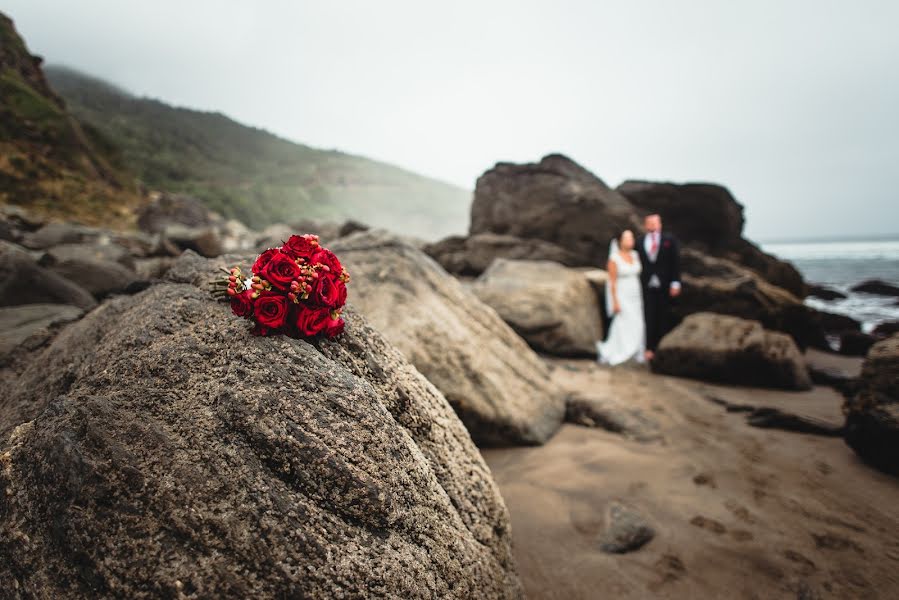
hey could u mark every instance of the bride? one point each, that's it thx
(624, 302)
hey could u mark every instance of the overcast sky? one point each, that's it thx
(792, 104)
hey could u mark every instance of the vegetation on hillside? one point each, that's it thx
(252, 175)
(48, 162)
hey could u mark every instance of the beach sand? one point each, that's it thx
(739, 512)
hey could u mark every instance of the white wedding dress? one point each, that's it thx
(627, 334)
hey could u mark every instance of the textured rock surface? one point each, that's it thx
(554, 308)
(877, 287)
(555, 200)
(707, 218)
(872, 414)
(732, 350)
(26, 282)
(161, 451)
(472, 255)
(497, 384)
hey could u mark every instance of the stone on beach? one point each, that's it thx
(499, 387)
(729, 349)
(553, 307)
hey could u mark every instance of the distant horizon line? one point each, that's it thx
(821, 239)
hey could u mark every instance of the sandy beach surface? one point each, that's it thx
(738, 511)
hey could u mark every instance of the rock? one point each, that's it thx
(470, 256)
(555, 200)
(856, 343)
(824, 293)
(99, 277)
(159, 450)
(552, 307)
(872, 414)
(54, 234)
(607, 413)
(877, 287)
(350, 227)
(626, 530)
(106, 252)
(165, 210)
(499, 387)
(834, 323)
(721, 286)
(17, 323)
(205, 240)
(886, 329)
(731, 350)
(707, 218)
(153, 268)
(26, 282)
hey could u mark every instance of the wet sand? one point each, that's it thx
(739, 512)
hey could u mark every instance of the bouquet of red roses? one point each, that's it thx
(297, 290)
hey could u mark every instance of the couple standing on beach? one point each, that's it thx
(644, 276)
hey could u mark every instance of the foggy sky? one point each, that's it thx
(791, 104)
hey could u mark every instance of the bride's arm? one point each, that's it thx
(612, 268)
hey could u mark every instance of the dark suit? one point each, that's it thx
(657, 299)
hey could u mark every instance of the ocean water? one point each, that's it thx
(840, 265)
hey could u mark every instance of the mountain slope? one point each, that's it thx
(252, 175)
(49, 163)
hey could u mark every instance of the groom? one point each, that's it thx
(660, 255)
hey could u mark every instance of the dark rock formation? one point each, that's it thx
(99, 277)
(470, 256)
(156, 449)
(497, 384)
(824, 293)
(554, 308)
(886, 329)
(626, 530)
(721, 286)
(856, 343)
(872, 414)
(26, 282)
(166, 210)
(731, 350)
(707, 217)
(877, 287)
(555, 200)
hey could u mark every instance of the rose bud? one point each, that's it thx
(231, 291)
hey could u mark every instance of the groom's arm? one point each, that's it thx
(675, 268)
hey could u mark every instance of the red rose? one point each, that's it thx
(329, 259)
(263, 260)
(280, 270)
(260, 329)
(325, 291)
(341, 293)
(300, 246)
(270, 310)
(311, 321)
(242, 304)
(334, 327)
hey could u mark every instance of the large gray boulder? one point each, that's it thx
(499, 387)
(554, 308)
(157, 449)
(165, 210)
(470, 256)
(26, 282)
(555, 200)
(872, 412)
(716, 347)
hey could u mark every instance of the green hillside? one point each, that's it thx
(49, 163)
(252, 175)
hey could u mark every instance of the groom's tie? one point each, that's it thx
(654, 249)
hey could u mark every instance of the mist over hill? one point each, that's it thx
(252, 175)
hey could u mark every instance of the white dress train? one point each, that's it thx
(627, 334)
